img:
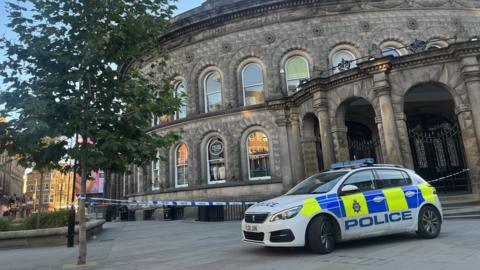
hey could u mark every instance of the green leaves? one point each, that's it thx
(75, 68)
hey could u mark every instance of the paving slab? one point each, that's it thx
(197, 245)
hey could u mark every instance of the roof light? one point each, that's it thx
(353, 163)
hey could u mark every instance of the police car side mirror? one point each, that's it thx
(348, 189)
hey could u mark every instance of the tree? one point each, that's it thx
(78, 68)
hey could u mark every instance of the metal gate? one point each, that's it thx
(438, 152)
(361, 143)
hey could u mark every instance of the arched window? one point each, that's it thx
(390, 51)
(216, 160)
(156, 173)
(181, 165)
(213, 91)
(343, 60)
(181, 93)
(258, 151)
(296, 69)
(252, 78)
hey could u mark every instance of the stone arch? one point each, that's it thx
(173, 163)
(282, 52)
(243, 56)
(390, 33)
(345, 38)
(244, 150)
(311, 144)
(444, 75)
(204, 155)
(436, 32)
(435, 136)
(357, 133)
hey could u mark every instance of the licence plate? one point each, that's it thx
(251, 228)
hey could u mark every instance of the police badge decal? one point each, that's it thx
(356, 206)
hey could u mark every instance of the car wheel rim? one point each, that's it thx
(430, 221)
(326, 235)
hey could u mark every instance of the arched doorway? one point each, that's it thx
(435, 137)
(311, 144)
(362, 139)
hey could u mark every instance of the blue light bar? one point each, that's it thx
(352, 163)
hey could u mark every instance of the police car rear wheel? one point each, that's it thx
(321, 235)
(429, 222)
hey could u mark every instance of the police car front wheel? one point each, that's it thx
(321, 235)
(429, 222)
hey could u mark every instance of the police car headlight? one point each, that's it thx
(286, 214)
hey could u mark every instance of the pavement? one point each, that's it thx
(176, 245)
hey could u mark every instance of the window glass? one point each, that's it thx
(296, 70)
(253, 84)
(318, 183)
(216, 160)
(181, 165)
(343, 60)
(390, 51)
(156, 173)
(181, 92)
(391, 178)
(213, 91)
(364, 180)
(258, 155)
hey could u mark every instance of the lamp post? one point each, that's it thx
(71, 213)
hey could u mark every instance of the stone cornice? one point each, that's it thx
(205, 18)
(362, 71)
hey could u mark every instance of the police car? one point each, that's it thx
(356, 199)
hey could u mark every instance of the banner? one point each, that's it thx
(94, 184)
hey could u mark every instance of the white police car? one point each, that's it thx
(353, 200)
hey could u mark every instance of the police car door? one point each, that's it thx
(400, 196)
(363, 211)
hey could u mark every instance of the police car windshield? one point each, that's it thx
(317, 183)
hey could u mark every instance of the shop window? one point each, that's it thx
(258, 150)
(216, 161)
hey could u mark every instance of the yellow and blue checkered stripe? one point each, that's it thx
(362, 203)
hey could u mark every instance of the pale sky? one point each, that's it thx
(182, 6)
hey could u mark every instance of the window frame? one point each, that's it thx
(206, 95)
(182, 99)
(176, 166)
(403, 173)
(359, 171)
(250, 178)
(209, 181)
(285, 66)
(253, 85)
(348, 51)
(154, 167)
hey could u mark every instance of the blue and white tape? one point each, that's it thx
(168, 203)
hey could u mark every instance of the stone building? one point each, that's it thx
(277, 90)
(11, 178)
(56, 191)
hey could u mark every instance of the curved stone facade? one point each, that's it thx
(369, 96)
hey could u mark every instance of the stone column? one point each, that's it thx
(285, 159)
(320, 104)
(340, 134)
(470, 146)
(294, 139)
(406, 150)
(382, 90)
(470, 68)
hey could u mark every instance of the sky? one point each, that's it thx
(182, 6)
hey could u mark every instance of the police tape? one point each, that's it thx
(164, 203)
(448, 176)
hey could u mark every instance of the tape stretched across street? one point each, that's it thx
(168, 203)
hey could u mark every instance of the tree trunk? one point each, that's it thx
(82, 232)
(40, 200)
